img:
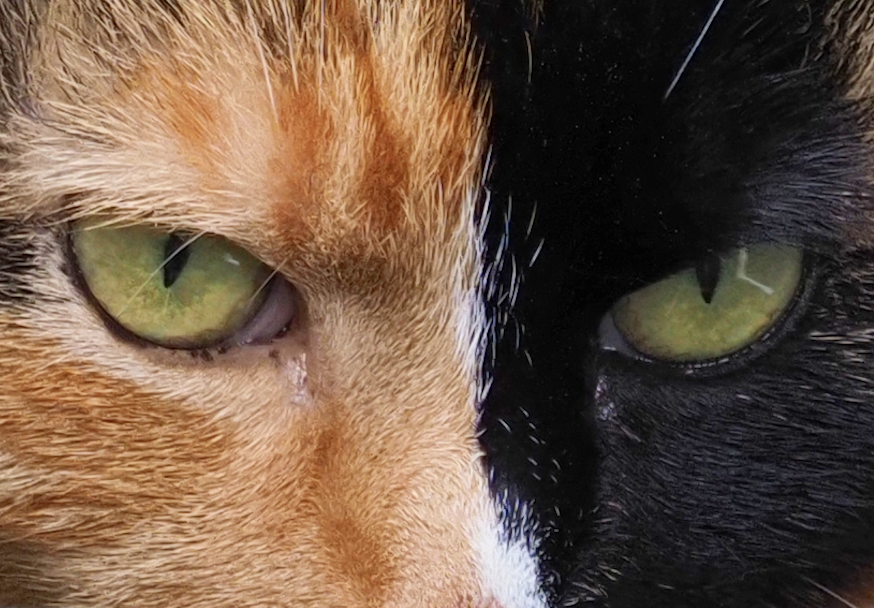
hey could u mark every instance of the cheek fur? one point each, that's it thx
(345, 144)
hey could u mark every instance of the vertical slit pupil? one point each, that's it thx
(176, 254)
(707, 272)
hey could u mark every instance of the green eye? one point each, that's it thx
(723, 305)
(173, 289)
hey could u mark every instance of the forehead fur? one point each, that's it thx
(353, 116)
(343, 143)
(851, 27)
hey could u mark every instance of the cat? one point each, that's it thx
(426, 303)
(710, 454)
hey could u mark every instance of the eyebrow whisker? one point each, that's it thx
(694, 49)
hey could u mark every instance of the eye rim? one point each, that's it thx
(611, 343)
(276, 287)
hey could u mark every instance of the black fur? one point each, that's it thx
(18, 262)
(742, 484)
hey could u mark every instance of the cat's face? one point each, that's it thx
(436, 304)
(313, 443)
(714, 429)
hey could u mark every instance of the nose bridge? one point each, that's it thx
(398, 490)
(396, 526)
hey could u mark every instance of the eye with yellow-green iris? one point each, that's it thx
(724, 304)
(181, 290)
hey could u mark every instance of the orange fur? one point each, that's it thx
(335, 467)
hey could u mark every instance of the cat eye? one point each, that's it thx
(181, 290)
(722, 305)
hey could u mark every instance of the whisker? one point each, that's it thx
(694, 49)
(831, 593)
(160, 268)
(530, 56)
(269, 278)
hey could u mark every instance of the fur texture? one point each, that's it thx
(341, 142)
(457, 194)
(643, 139)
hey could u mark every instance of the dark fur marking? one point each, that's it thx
(734, 490)
(18, 262)
(21, 564)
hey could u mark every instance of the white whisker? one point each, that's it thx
(831, 593)
(530, 56)
(694, 49)
(266, 281)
